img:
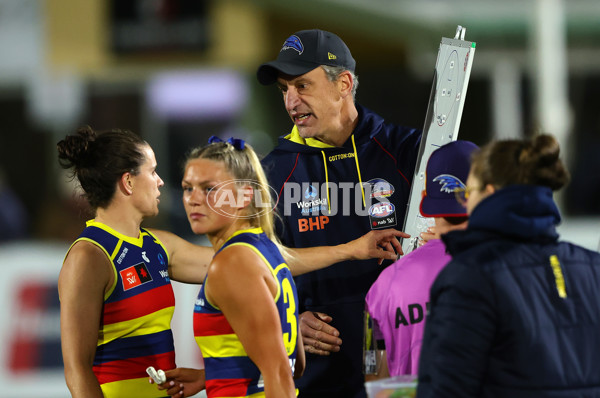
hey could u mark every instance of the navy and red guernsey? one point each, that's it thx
(332, 195)
(135, 330)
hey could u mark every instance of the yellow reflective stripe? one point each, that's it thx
(558, 276)
(362, 189)
(326, 182)
(155, 322)
(222, 345)
(131, 388)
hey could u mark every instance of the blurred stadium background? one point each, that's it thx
(178, 71)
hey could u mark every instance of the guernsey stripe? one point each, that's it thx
(207, 324)
(135, 329)
(233, 389)
(147, 324)
(132, 368)
(139, 305)
(231, 368)
(132, 388)
(221, 345)
(136, 346)
(230, 373)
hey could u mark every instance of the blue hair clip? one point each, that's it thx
(237, 143)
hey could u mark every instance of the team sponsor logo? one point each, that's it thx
(312, 203)
(380, 188)
(312, 223)
(310, 193)
(122, 255)
(161, 259)
(134, 276)
(340, 156)
(146, 259)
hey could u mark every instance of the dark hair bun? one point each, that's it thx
(73, 149)
(541, 158)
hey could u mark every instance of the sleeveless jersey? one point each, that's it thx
(229, 371)
(135, 330)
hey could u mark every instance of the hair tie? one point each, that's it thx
(237, 143)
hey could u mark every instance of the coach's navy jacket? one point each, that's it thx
(516, 313)
(321, 203)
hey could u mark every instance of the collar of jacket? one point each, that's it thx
(525, 213)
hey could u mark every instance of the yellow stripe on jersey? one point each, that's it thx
(159, 321)
(280, 267)
(221, 345)
(132, 388)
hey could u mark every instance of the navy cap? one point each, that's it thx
(304, 51)
(447, 170)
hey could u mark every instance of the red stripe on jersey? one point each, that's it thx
(133, 368)
(139, 305)
(217, 322)
(227, 387)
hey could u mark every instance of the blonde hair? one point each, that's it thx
(244, 165)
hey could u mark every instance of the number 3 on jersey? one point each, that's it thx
(289, 339)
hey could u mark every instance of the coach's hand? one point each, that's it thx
(318, 336)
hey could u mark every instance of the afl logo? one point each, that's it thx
(381, 210)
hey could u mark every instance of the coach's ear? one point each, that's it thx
(345, 83)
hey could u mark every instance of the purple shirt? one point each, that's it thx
(398, 302)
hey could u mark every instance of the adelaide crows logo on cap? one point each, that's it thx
(449, 183)
(294, 43)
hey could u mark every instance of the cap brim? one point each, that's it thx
(446, 207)
(267, 73)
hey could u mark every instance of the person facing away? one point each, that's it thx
(397, 302)
(341, 172)
(516, 312)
